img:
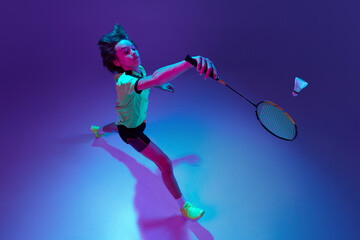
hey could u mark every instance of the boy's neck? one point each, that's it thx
(135, 71)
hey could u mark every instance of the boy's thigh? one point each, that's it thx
(139, 143)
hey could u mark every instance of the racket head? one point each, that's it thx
(276, 120)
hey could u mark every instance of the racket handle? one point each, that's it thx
(193, 62)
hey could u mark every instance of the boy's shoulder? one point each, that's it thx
(142, 69)
(122, 78)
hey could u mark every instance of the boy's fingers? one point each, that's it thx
(170, 88)
(214, 70)
(203, 66)
(198, 65)
(209, 68)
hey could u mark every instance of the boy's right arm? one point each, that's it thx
(168, 73)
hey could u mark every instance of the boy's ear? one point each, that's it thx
(116, 63)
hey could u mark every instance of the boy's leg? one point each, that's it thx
(154, 153)
(99, 131)
(110, 128)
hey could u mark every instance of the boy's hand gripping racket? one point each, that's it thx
(272, 117)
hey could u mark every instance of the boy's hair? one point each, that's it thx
(107, 47)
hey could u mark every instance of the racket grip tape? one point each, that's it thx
(190, 60)
(193, 62)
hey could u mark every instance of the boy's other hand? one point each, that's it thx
(167, 87)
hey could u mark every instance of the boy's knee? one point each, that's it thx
(166, 165)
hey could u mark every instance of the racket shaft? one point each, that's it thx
(194, 63)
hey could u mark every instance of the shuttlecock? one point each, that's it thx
(299, 85)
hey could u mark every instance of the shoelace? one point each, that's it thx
(187, 206)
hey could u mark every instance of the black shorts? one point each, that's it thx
(134, 136)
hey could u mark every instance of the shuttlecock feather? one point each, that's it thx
(299, 85)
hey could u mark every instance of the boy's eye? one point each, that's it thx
(127, 50)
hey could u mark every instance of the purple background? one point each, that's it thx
(55, 185)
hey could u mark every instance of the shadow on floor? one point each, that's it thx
(159, 215)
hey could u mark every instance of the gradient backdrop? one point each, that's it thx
(58, 183)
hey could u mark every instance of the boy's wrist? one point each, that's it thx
(186, 64)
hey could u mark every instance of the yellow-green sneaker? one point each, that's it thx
(95, 130)
(191, 212)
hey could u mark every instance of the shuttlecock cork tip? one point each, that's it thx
(299, 85)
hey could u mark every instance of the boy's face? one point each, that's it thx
(126, 55)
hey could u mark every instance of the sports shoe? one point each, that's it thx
(95, 130)
(191, 212)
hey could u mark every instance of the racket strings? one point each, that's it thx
(276, 121)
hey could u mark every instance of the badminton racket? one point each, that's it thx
(272, 117)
